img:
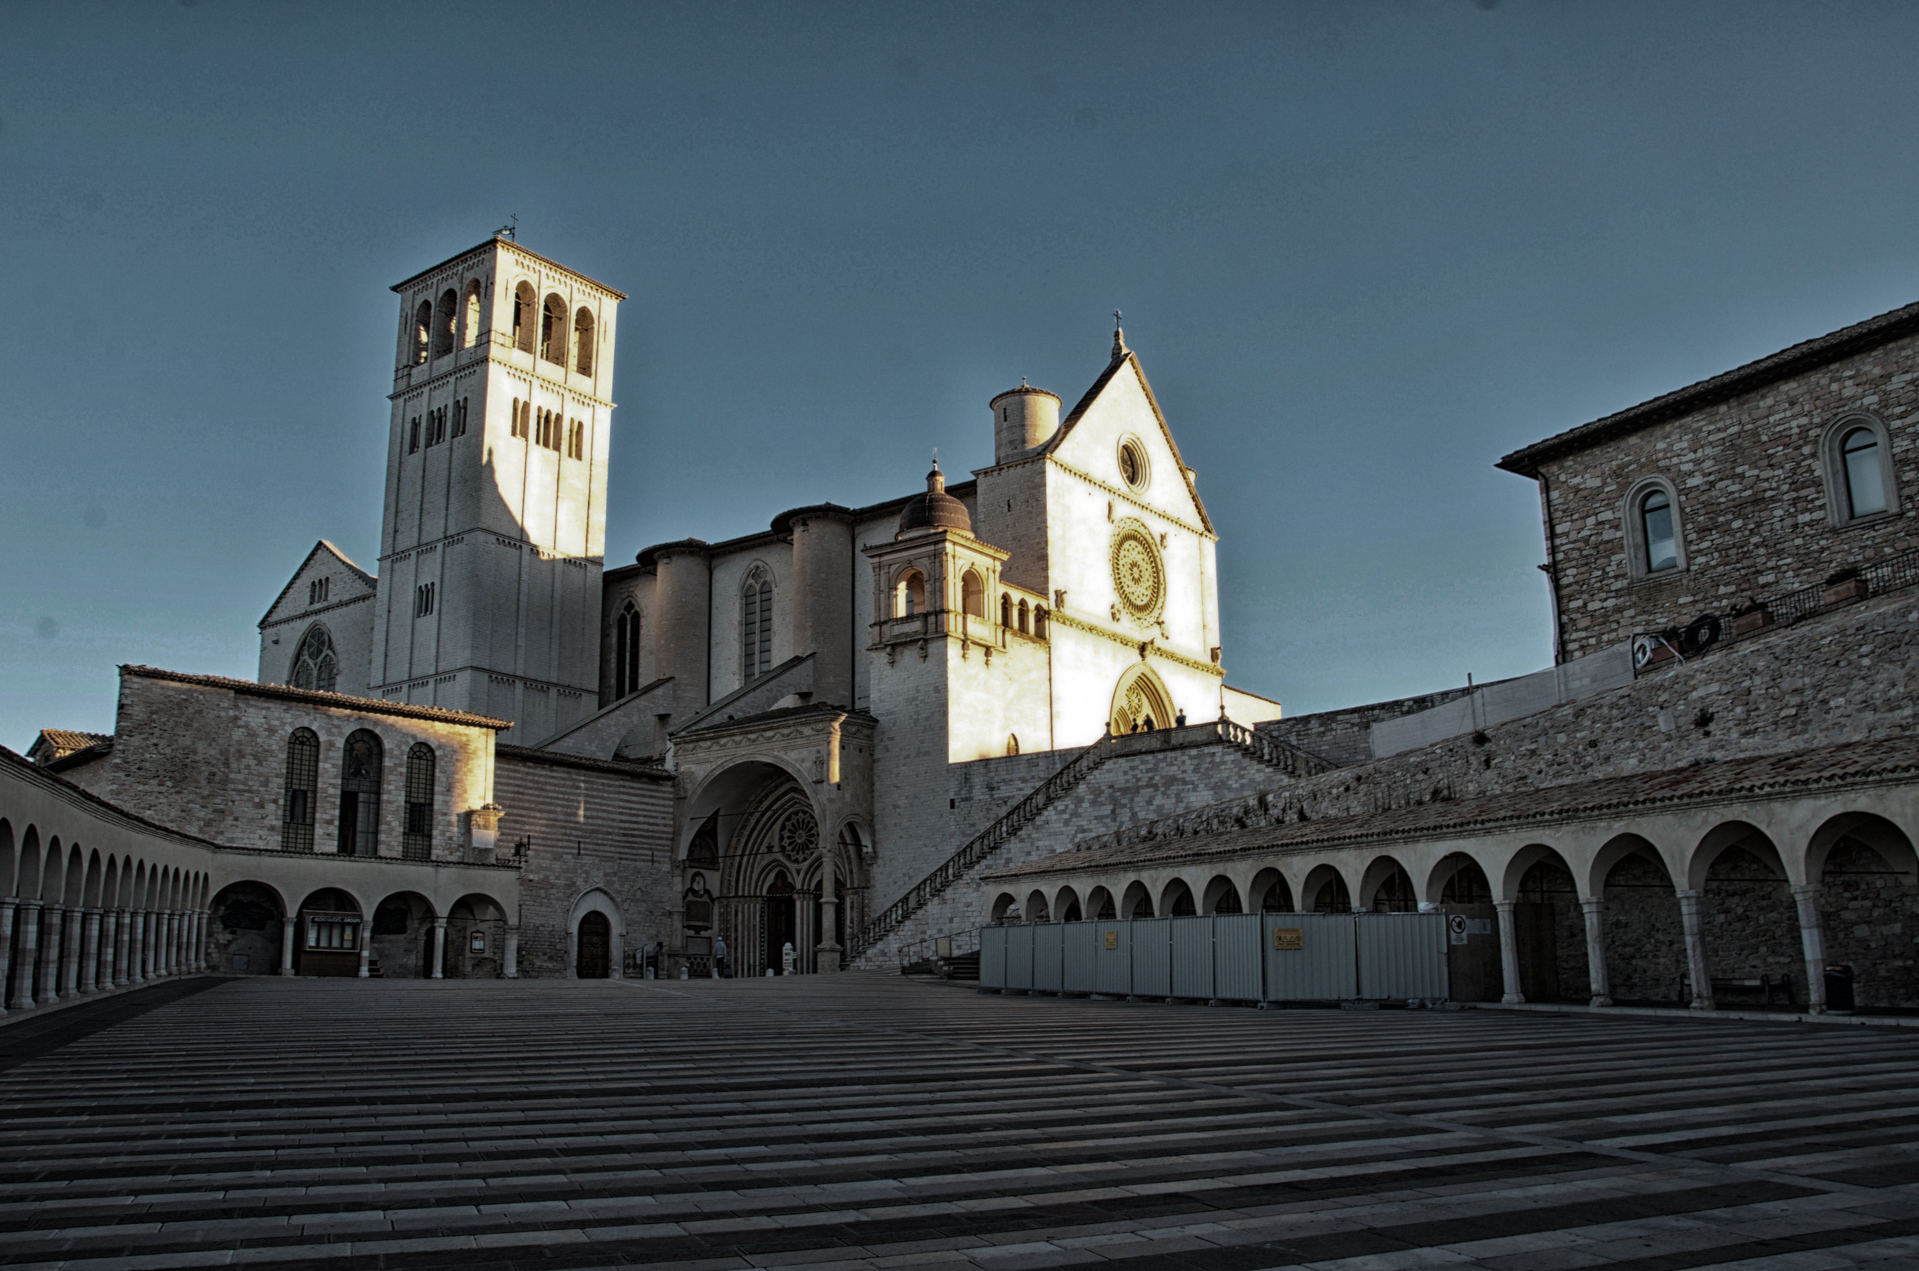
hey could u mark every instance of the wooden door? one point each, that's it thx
(596, 944)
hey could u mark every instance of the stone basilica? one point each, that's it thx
(856, 737)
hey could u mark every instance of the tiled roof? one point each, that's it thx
(1800, 358)
(64, 741)
(559, 759)
(337, 701)
(1726, 780)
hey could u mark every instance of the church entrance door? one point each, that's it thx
(780, 923)
(596, 943)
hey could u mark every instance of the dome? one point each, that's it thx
(934, 510)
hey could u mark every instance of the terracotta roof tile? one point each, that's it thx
(337, 701)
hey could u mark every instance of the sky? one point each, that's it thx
(1362, 250)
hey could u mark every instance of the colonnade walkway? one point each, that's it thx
(863, 1121)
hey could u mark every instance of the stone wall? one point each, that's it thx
(592, 826)
(1753, 493)
(1843, 676)
(1345, 736)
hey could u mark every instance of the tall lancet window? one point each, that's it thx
(416, 836)
(360, 764)
(756, 624)
(315, 665)
(626, 651)
(303, 784)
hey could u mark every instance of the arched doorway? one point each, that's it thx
(1140, 703)
(243, 937)
(327, 939)
(779, 924)
(594, 960)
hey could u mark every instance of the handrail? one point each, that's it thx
(979, 847)
(1283, 755)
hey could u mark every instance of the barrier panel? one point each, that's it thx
(1113, 958)
(1402, 956)
(992, 957)
(1152, 958)
(1236, 963)
(1227, 957)
(1019, 957)
(1192, 941)
(1309, 957)
(1080, 972)
(1047, 952)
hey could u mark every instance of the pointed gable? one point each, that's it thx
(325, 563)
(1121, 405)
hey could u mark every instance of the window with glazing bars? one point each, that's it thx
(416, 840)
(303, 783)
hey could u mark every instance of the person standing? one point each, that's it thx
(719, 958)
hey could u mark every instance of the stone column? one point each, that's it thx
(286, 946)
(29, 950)
(1601, 984)
(827, 955)
(136, 946)
(109, 924)
(51, 918)
(6, 949)
(90, 945)
(366, 957)
(1812, 938)
(439, 949)
(73, 925)
(510, 960)
(157, 926)
(122, 946)
(1696, 963)
(200, 940)
(1508, 952)
(176, 942)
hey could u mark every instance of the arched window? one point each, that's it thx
(1012, 743)
(1039, 622)
(1859, 476)
(626, 651)
(756, 624)
(360, 762)
(422, 331)
(470, 325)
(583, 341)
(909, 597)
(972, 595)
(1655, 536)
(1025, 615)
(444, 318)
(315, 665)
(303, 783)
(1005, 610)
(524, 305)
(576, 439)
(553, 330)
(416, 840)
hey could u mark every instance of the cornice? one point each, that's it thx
(1129, 497)
(308, 614)
(1146, 648)
(536, 375)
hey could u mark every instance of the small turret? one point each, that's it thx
(1023, 418)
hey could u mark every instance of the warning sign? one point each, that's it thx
(1456, 927)
(1289, 937)
(1112, 939)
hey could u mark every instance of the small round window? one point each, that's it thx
(1132, 463)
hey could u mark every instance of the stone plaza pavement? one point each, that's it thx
(865, 1121)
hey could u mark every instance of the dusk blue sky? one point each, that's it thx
(1362, 250)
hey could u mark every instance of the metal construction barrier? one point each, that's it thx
(1226, 958)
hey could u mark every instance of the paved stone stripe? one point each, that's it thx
(862, 1121)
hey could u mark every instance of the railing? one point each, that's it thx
(1285, 756)
(958, 945)
(1653, 649)
(977, 849)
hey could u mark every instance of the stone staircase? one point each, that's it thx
(1115, 781)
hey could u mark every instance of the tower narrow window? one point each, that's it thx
(416, 839)
(553, 330)
(910, 595)
(583, 341)
(576, 440)
(317, 590)
(360, 763)
(303, 783)
(626, 651)
(422, 331)
(413, 435)
(315, 665)
(423, 600)
(459, 418)
(972, 594)
(470, 324)
(756, 625)
(1005, 610)
(524, 305)
(444, 318)
(1039, 622)
(1024, 612)
(1655, 520)
(1860, 457)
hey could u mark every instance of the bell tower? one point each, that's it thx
(493, 536)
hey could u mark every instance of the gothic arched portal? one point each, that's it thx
(1140, 703)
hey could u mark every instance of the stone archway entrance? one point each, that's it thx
(779, 925)
(594, 961)
(1140, 703)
